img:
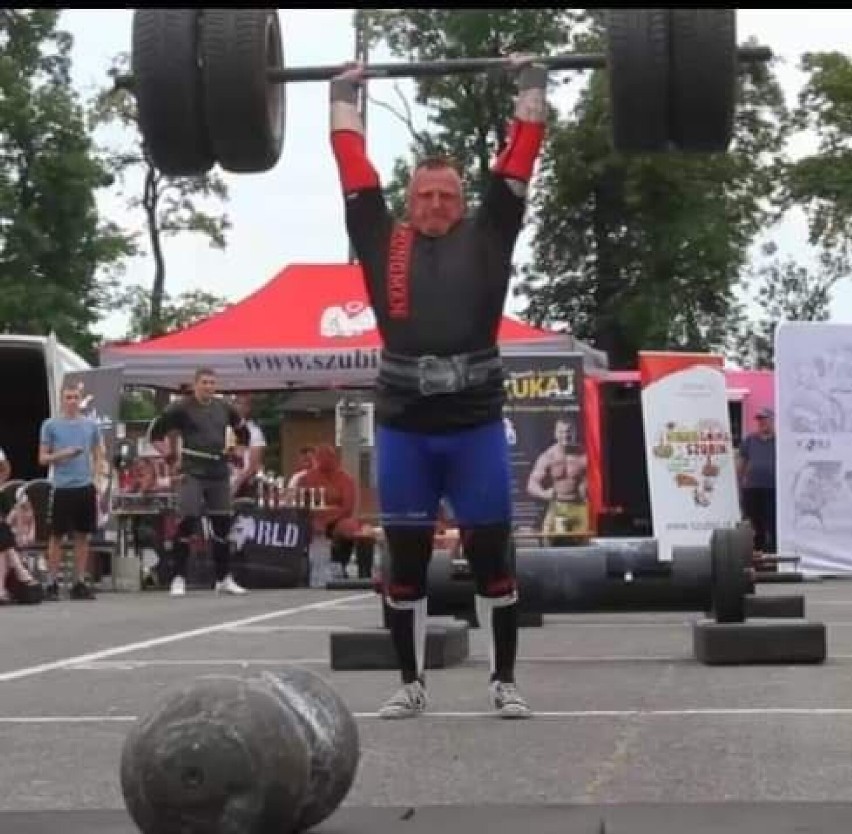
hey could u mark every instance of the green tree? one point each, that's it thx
(821, 182)
(170, 205)
(467, 114)
(645, 251)
(782, 290)
(175, 313)
(57, 256)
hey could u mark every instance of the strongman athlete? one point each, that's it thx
(201, 419)
(437, 283)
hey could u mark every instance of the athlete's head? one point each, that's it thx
(435, 197)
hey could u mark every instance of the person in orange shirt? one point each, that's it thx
(337, 522)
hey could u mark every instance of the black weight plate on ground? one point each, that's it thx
(216, 756)
(245, 112)
(168, 92)
(730, 551)
(638, 71)
(332, 735)
(703, 78)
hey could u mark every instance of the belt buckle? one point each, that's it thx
(438, 375)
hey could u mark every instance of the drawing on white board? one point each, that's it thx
(821, 400)
(816, 487)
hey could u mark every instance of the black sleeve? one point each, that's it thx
(172, 419)
(502, 212)
(368, 223)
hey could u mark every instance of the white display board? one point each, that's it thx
(813, 420)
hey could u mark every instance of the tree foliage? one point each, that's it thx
(176, 313)
(169, 206)
(645, 251)
(57, 255)
(781, 289)
(821, 182)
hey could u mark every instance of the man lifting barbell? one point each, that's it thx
(438, 284)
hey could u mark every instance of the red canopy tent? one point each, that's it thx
(310, 326)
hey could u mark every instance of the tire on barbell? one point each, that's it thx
(246, 112)
(638, 70)
(168, 93)
(730, 551)
(703, 78)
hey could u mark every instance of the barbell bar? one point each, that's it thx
(454, 66)
(210, 83)
(608, 575)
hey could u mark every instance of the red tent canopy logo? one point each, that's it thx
(353, 318)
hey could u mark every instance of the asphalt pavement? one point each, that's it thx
(631, 734)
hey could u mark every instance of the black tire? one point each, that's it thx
(703, 78)
(245, 112)
(169, 100)
(638, 69)
(729, 551)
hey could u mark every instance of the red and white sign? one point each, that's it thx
(688, 448)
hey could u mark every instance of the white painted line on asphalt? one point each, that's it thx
(129, 665)
(41, 668)
(252, 629)
(803, 712)
(122, 665)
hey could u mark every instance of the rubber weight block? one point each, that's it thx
(217, 756)
(786, 607)
(526, 619)
(778, 578)
(759, 641)
(352, 584)
(447, 644)
(332, 735)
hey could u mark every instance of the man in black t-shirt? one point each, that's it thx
(438, 284)
(201, 420)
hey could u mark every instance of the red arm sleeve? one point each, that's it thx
(356, 171)
(518, 158)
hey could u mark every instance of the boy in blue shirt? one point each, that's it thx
(72, 446)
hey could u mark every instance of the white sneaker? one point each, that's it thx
(507, 701)
(178, 587)
(407, 702)
(229, 586)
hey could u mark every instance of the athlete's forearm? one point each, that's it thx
(347, 138)
(526, 131)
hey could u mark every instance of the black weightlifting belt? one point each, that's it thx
(429, 375)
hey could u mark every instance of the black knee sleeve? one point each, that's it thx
(407, 564)
(490, 550)
(187, 527)
(221, 526)
(491, 553)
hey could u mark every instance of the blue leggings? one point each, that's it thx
(469, 468)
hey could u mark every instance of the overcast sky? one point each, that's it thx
(293, 214)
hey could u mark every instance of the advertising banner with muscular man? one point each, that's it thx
(544, 424)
